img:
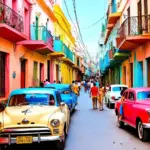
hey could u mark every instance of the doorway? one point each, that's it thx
(124, 73)
(48, 70)
(41, 73)
(23, 73)
(57, 73)
(131, 71)
(148, 72)
(140, 72)
(36, 27)
(14, 5)
(26, 22)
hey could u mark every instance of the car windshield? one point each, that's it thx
(32, 99)
(143, 95)
(118, 89)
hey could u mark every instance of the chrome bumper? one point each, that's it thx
(12, 140)
(146, 125)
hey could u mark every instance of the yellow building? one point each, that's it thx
(64, 44)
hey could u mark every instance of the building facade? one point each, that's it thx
(31, 49)
(126, 42)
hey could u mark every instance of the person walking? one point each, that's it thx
(101, 97)
(94, 94)
(76, 89)
(97, 83)
(85, 86)
(46, 82)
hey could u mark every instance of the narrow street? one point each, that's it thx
(95, 130)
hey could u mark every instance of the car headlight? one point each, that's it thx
(148, 111)
(55, 123)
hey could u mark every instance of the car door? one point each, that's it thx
(131, 102)
(125, 105)
(64, 109)
(128, 106)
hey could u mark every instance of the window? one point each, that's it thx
(58, 98)
(32, 99)
(143, 95)
(118, 89)
(131, 96)
(2, 73)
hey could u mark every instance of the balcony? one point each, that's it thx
(69, 55)
(11, 24)
(41, 40)
(58, 49)
(119, 55)
(133, 32)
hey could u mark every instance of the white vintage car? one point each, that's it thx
(34, 115)
(113, 94)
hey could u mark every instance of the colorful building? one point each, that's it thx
(30, 47)
(127, 43)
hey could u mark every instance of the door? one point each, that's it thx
(148, 71)
(128, 107)
(140, 17)
(41, 73)
(48, 70)
(131, 70)
(36, 27)
(124, 73)
(14, 5)
(129, 23)
(23, 73)
(35, 77)
(57, 73)
(26, 22)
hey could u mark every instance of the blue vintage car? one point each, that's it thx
(67, 95)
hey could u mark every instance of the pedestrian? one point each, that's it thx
(94, 93)
(121, 105)
(41, 84)
(79, 85)
(85, 86)
(76, 89)
(59, 82)
(101, 97)
(54, 82)
(89, 86)
(46, 82)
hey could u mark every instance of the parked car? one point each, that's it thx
(136, 110)
(113, 94)
(34, 115)
(66, 93)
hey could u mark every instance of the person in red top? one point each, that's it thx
(94, 93)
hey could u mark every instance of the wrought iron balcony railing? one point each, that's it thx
(135, 25)
(11, 18)
(41, 33)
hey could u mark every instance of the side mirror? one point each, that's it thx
(2, 107)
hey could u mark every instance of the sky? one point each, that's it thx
(88, 13)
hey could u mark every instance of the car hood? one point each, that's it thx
(36, 115)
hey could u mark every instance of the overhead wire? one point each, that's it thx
(74, 26)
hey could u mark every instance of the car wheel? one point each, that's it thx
(61, 144)
(143, 133)
(120, 124)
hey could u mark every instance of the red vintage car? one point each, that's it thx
(136, 111)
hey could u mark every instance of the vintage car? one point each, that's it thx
(34, 115)
(113, 94)
(66, 93)
(136, 111)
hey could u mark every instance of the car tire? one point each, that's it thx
(120, 124)
(143, 133)
(61, 144)
(109, 104)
